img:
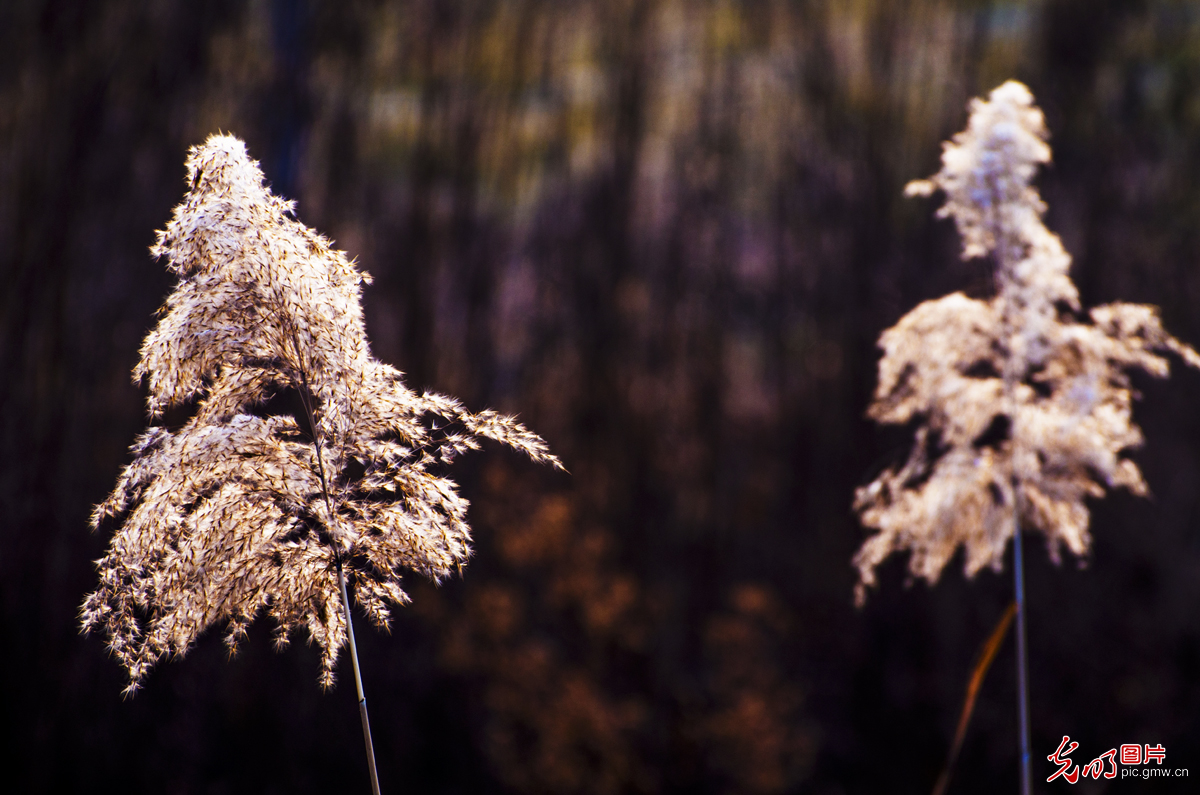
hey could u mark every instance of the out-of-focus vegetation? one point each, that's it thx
(668, 233)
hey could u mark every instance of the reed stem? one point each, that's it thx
(1022, 664)
(362, 699)
(306, 398)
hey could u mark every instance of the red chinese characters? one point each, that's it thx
(1106, 764)
(1059, 757)
(1096, 767)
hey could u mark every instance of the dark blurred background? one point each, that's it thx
(667, 234)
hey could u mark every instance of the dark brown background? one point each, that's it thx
(667, 234)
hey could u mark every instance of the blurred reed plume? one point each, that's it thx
(1022, 408)
(304, 457)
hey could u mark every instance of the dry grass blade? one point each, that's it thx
(986, 655)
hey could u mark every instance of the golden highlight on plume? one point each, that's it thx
(1023, 406)
(250, 506)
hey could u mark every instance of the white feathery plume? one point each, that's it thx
(239, 512)
(1023, 409)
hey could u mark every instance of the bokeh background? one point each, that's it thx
(666, 233)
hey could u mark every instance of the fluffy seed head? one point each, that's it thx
(1023, 409)
(303, 453)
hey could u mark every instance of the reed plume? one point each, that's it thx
(1022, 409)
(1023, 406)
(249, 507)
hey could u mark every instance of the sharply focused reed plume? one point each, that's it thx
(1023, 409)
(305, 456)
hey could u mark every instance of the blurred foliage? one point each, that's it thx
(668, 234)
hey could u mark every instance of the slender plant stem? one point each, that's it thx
(1022, 657)
(362, 699)
(1003, 254)
(306, 400)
